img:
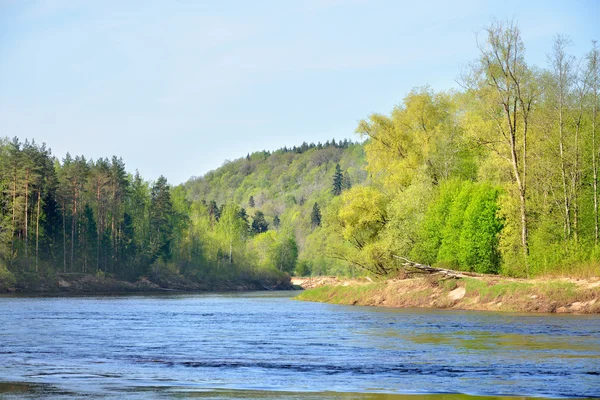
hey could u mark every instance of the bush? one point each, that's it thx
(303, 268)
(461, 228)
(7, 279)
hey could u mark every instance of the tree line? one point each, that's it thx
(500, 176)
(79, 215)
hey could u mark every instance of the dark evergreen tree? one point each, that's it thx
(251, 202)
(338, 181)
(213, 211)
(315, 216)
(244, 217)
(276, 221)
(161, 223)
(259, 224)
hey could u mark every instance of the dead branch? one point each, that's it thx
(411, 267)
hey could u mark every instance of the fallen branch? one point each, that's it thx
(411, 267)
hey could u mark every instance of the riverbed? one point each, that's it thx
(266, 345)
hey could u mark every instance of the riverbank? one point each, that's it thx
(79, 283)
(481, 293)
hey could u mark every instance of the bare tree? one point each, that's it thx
(593, 75)
(562, 77)
(505, 87)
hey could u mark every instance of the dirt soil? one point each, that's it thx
(318, 281)
(558, 295)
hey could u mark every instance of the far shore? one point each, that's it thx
(79, 283)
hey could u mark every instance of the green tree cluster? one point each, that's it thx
(460, 228)
(500, 177)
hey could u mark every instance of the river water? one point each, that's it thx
(266, 345)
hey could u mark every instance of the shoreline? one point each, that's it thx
(82, 284)
(560, 295)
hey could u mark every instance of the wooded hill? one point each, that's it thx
(291, 187)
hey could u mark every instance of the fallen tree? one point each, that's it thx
(412, 268)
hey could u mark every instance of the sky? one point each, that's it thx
(175, 88)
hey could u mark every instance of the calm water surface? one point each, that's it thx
(266, 345)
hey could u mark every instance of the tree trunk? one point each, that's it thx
(566, 205)
(27, 214)
(595, 165)
(73, 226)
(98, 224)
(64, 237)
(577, 172)
(37, 231)
(14, 205)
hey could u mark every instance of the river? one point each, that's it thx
(266, 345)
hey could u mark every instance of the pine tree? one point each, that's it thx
(251, 201)
(213, 212)
(244, 217)
(161, 220)
(338, 179)
(315, 216)
(259, 224)
(276, 221)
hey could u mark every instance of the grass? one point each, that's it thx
(583, 270)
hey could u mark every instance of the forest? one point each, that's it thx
(499, 176)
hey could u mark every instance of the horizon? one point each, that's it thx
(179, 89)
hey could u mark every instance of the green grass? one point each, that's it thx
(497, 291)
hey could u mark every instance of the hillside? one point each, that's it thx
(286, 184)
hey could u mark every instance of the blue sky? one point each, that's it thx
(177, 87)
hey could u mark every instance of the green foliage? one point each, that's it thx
(303, 268)
(461, 228)
(284, 253)
(431, 235)
(358, 218)
(451, 232)
(405, 214)
(7, 279)
(478, 246)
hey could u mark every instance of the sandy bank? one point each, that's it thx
(491, 294)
